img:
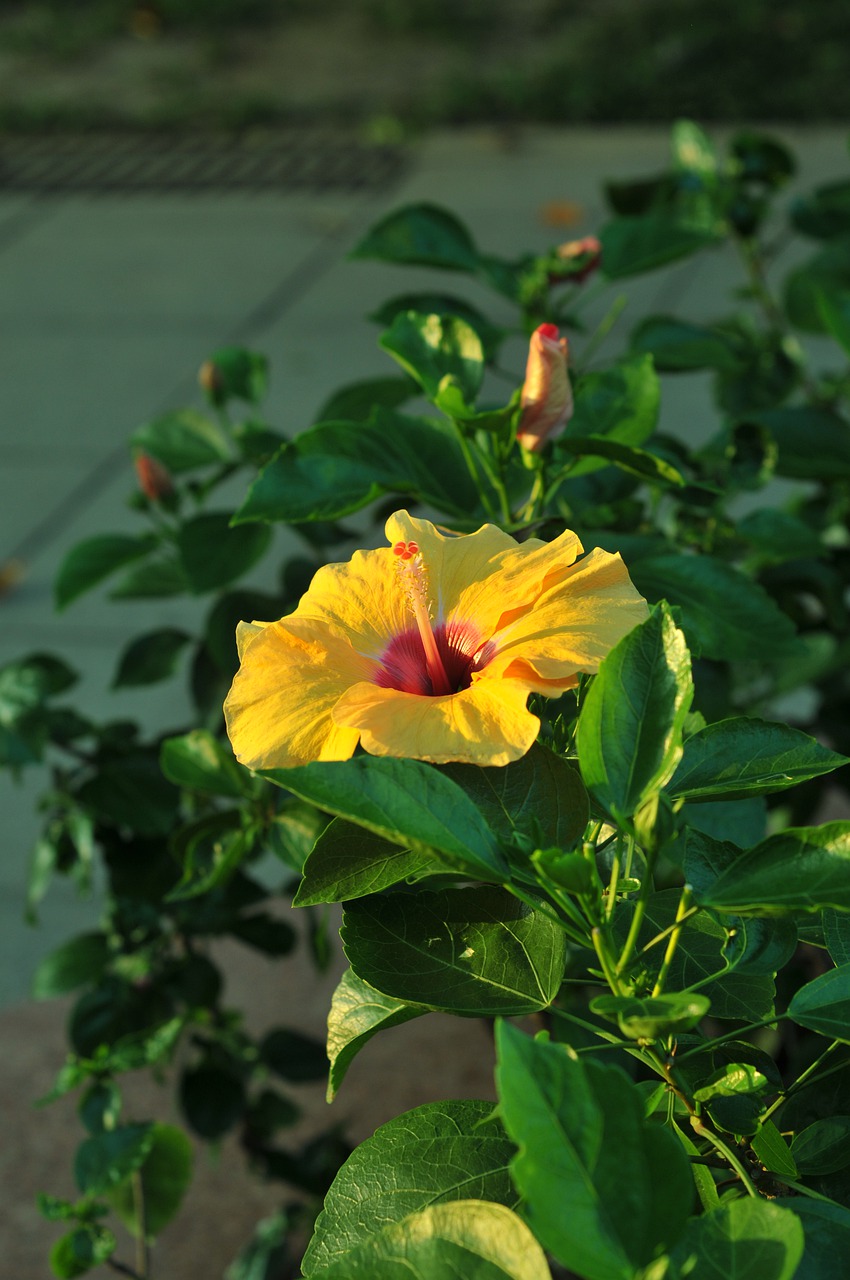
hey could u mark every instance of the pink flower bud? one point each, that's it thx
(547, 397)
(154, 479)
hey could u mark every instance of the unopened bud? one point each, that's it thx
(547, 397)
(211, 380)
(154, 479)
(579, 259)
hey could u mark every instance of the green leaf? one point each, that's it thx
(648, 1017)
(150, 658)
(199, 762)
(90, 562)
(823, 1147)
(834, 307)
(698, 956)
(293, 1056)
(823, 1005)
(235, 373)
(129, 790)
(772, 1150)
(584, 1142)
(212, 1100)
(725, 614)
(338, 467)
(827, 1228)
(779, 536)
(468, 1238)
(423, 235)
(357, 1013)
(630, 727)
(436, 1154)
(631, 245)
(347, 862)
(731, 1079)
(213, 554)
(183, 440)
(441, 304)
(108, 1158)
(471, 951)
(153, 579)
(740, 757)
(836, 933)
(620, 403)
(828, 271)
(760, 944)
(637, 462)
(678, 347)
(74, 964)
(81, 1249)
(405, 801)
(166, 1174)
(355, 401)
(540, 796)
(435, 348)
(800, 869)
(750, 1239)
(814, 443)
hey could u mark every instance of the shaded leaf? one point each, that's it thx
(357, 1013)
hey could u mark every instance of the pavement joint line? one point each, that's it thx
(37, 209)
(317, 262)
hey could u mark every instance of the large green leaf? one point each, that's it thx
(349, 862)
(824, 1004)
(827, 1245)
(540, 796)
(150, 658)
(420, 234)
(471, 951)
(338, 467)
(165, 1177)
(472, 1239)
(405, 801)
(648, 1017)
(630, 727)
(183, 440)
(620, 403)
(828, 271)
(213, 554)
(432, 348)
(725, 614)
(637, 462)
(740, 757)
(800, 869)
(823, 1147)
(90, 562)
(74, 964)
(814, 443)
(438, 1153)
(677, 346)
(748, 1239)
(604, 1188)
(108, 1158)
(631, 245)
(199, 762)
(359, 1012)
(81, 1249)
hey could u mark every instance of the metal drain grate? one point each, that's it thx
(291, 160)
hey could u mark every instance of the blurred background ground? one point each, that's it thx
(395, 66)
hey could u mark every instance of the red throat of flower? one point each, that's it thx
(414, 578)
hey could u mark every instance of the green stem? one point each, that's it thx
(800, 1189)
(473, 470)
(678, 923)
(640, 910)
(733, 1035)
(659, 937)
(803, 1077)
(727, 1153)
(611, 899)
(142, 1254)
(577, 935)
(611, 975)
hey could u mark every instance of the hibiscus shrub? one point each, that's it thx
(543, 783)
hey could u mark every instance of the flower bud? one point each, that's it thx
(154, 479)
(576, 260)
(547, 397)
(211, 380)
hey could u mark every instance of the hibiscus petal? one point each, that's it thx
(575, 623)
(486, 724)
(278, 711)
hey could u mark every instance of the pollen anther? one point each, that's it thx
(415, 580)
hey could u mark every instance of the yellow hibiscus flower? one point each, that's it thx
(427, 648)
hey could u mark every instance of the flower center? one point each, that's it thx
(414, 579)
(430, 660)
